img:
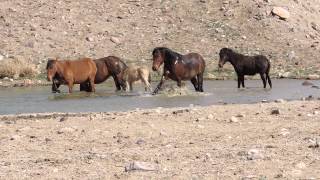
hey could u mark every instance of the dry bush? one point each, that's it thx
(17, 68)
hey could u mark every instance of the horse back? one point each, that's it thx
(80, 70)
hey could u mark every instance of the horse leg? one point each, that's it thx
(117, 83)
(55, 87)
(200, 82)
(70, 85)
(92, 85)
(147, 84)
(159, 85)
(194, 81)
(242, 81)
(130, 85)
(263, 80)
(239, 81)
(269, 80)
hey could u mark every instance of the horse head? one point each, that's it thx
(224, 56)
(158, 58)
(51, 69)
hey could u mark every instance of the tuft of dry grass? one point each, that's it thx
(17, 68)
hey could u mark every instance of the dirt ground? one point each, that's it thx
(215, 142)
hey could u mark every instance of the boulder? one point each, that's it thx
(281, 12)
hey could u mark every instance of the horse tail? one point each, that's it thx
(267, 73)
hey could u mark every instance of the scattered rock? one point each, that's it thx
(307, 83)
(313, 76)
(115, 40)
(1, 57)
(63, 119)
(66, 130)
(315, 143)
(281, 12)
(141, 166)
(279, 101)
(210, 116)
(285, 75)
(233, 119)
(275, 111)
(240, 115)
(140, 141)
(284, 132)
(90, 39)
(301, 165)
(254, 154)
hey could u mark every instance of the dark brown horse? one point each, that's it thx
(179, 67)
(246, 65)
(106, 67)
(71, 72)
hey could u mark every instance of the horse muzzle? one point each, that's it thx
(49, 78)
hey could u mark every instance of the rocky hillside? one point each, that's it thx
(130, 29)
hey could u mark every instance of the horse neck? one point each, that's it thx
(60, 68)
(234, 58)
(171, 57)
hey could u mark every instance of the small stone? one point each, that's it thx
(313, 76)
(1, 57)
(140, 141)
(233, 119)
(210, 116)
(115, 40)
(281, 12)
(264, 101)
(254, 154)
(240, 115)
(90, 39)
(141, 166)
(63, 119)
(279, 101)
(275, 111)
(284, 132)
(301, 165)
(66, 130)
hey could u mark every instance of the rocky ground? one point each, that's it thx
(256, 141)
(36, 30)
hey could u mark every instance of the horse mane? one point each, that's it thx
(231, 53)
(170, 55)
(50, 63)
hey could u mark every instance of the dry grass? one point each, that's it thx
(17, 68)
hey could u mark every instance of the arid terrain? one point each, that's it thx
(34, 31)
(257, 141)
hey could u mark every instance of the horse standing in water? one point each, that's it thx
(71, 72)
(106, 67)
(135, 73)
(179, 67)
(246, 65)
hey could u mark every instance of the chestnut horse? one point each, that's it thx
(71, 72)
(106, 67)
(179, 67)
(246, 65)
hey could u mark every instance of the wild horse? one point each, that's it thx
(71, 72)
(246, 65)
(179, 67)
(106, 67)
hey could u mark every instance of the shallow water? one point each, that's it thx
(40, 99)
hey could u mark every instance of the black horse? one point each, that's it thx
(246, 65)
(179, 67)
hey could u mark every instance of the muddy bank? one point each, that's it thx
(256, 141)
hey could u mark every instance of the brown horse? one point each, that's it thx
(71, 72)
(179, 67)
(106, 67)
